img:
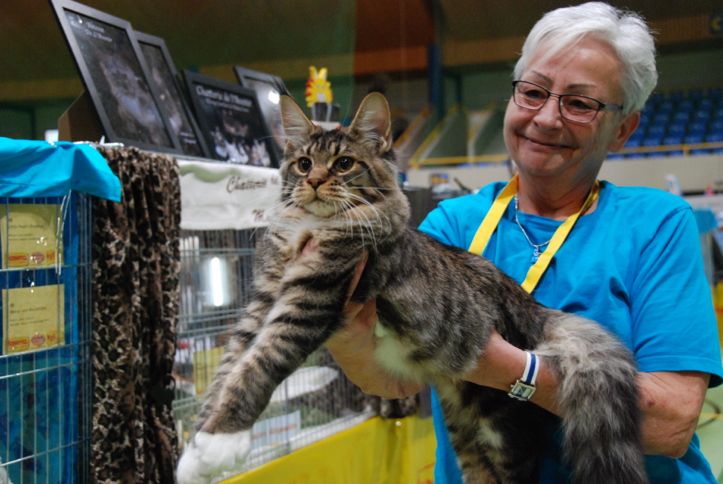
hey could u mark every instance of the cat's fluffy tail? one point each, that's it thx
(598, 400)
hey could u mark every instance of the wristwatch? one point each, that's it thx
(524, 387)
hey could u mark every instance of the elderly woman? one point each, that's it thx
(631, 261)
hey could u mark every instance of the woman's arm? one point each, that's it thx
(670, 402)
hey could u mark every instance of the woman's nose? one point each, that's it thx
(549, 114)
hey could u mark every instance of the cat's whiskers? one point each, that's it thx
(383, 220)
(365, 221)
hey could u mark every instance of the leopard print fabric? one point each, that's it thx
(136, 264)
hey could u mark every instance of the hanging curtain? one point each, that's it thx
(136, 263)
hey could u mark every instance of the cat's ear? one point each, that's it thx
(373, 121)
(297, 127)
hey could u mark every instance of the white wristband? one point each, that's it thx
(524, 387)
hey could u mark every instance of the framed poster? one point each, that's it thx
(115, 75)
(231, 121)
(268, 91)
(163, 76)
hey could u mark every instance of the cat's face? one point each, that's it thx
(346, 173)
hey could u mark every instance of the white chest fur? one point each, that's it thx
(393, 354)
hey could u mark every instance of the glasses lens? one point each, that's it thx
(530, 96)
(579, 108)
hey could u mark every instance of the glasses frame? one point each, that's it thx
(601, 105)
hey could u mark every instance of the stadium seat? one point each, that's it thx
(672, 139)
(693, 138)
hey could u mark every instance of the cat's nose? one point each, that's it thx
(314, 182)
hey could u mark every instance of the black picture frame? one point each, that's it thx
(268, 88)
(115, 76)
(171, 97)
(230, 119)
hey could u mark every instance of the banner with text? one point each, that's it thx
(217, 196)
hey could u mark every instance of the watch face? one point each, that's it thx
(521, 391)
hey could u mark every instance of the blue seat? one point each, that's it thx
(657, 129)
(661, 117)
(672, 139)
(693, 138)
(681, 116)
(615, 156)
(711, 137)
(716, 126)
(705, 103)
(684, 105)
(652, 140)
(678, 127)
(675, 153)
(697, 127)
(700, 151)
(701, 114)
(665, 106)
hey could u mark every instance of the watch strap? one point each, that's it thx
(524, 387)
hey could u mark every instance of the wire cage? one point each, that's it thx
(313, 403)
(45, 366)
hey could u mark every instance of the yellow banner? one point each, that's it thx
(33, 318)
(205, 363)
(377, 451)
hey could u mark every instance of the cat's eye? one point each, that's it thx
(304, 164)
(344, 163)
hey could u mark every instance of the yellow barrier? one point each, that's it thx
(718, 302)
(377, 451)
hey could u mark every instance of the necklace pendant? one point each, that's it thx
(535, 254)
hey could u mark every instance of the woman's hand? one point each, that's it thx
(353, 348)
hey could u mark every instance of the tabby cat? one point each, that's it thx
(438, 305)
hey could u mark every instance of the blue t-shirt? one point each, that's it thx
(634, 265)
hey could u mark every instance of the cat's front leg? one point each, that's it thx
(244, 389)
(204, 455)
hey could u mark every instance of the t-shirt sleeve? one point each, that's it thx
(674, 323)
(442, 224)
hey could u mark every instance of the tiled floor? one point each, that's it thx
(710, 430)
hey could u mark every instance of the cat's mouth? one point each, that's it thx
(321, 208)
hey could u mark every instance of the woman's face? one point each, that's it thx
(542, 143)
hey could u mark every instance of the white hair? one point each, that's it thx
(626, 32)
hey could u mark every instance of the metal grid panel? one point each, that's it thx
(45, 392)
(315, 402)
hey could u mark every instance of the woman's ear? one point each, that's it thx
(627, 127)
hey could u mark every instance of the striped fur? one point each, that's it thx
(438, 303)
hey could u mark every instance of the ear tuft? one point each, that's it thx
(373, 121)
(297, 127)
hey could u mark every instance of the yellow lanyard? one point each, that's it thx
(492, 219)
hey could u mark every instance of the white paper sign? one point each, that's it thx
(218, 196)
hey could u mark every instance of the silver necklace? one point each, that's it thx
(537, 249)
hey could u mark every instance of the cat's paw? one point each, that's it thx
(206, 455)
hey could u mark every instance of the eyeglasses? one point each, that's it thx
(573, 107)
